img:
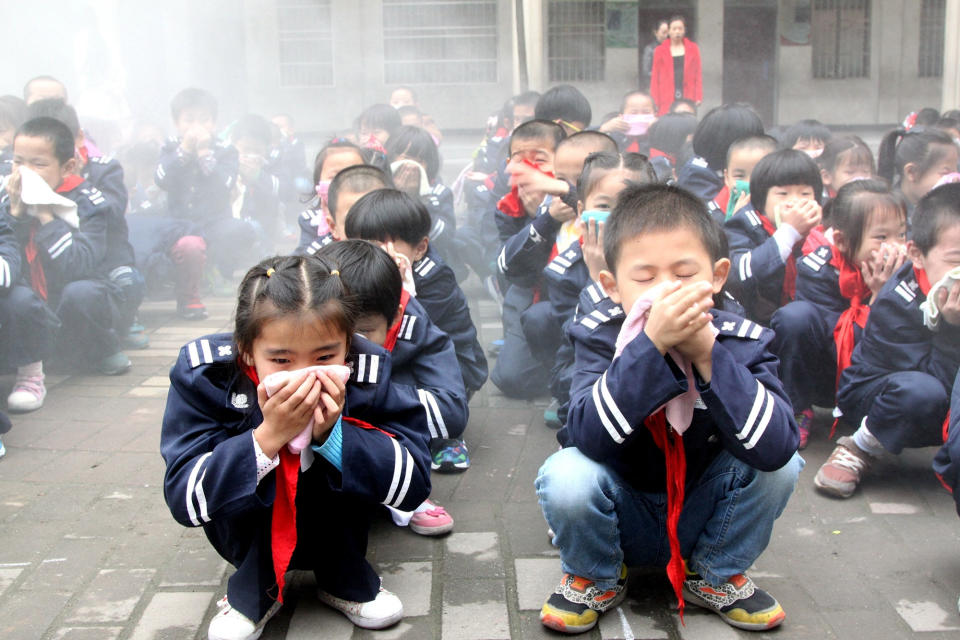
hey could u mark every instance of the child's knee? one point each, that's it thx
(795, 319)
(189, 249)
(569, 483)
(779, 484)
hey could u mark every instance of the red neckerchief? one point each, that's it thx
(69, 183)
(283, 522)
(394, 332)
(854, 289)
(634, 146)
(814, 239)
(84, 155)
(924, 283)
(657, 153)
(510, 204)
(722, 199)
(676, 461)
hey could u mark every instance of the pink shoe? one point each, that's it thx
(430, 519)
(28, 394)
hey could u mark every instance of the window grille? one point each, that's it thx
(840, 35)
(440, 41)
(933, 15)
(575, 40)
(306, 43)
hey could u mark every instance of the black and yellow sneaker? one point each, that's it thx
(738, 601)
(577, 603)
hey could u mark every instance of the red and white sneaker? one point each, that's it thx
(430, 519)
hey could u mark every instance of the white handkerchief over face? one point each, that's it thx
(679, 410)
(34, 191)
(930, 306)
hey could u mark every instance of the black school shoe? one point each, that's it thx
(738, 602)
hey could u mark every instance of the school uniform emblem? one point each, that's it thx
(240, 401)
(225, 350)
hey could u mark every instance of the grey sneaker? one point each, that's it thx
(841, 473)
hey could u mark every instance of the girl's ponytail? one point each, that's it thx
(887, 155)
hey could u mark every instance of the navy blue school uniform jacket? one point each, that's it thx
(895, 338)
(6, 161)
(947, 461)
(207, 444)
(756, 269)
(10, 261)
(564, 279)
(439, 203)
(698, 178)
(743, 409)
(197, 189)
(818, 281)
(308, 221)
(92, 251)
(527, 250)
(446, 305)
(425, 370)
(106, 174)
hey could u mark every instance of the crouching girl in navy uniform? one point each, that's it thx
(836, 284)
(896, 390)
(229, 470)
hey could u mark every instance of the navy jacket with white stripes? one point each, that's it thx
(310, 242)
(207, 445)
(446, 305)
(743, 409)
(565, 277)
(10, 259)
(756, 270)
(426, 371)
(106, 174)
(197, 188)
(92, 251)
(526, 252)
(443, 230)
(895, 338)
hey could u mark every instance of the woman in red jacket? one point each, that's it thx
(676, 68)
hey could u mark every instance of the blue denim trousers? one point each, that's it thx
(599, 521)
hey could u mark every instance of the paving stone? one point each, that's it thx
(311, 619)
(195, 563)
(172, 615)
(536, 580)
(483, 617)
(111, 596)
(622, 623)
(7, 576)
(407, 629)
(703, 625)
(87, 633)
(70, 564)
(473, 554)
(413, 584)
(147, 392)
(25, 616)
(156, 381)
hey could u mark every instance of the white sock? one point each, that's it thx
(30, 370)
(866, 440)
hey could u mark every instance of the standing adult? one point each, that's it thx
(676, 69)
(660, 31)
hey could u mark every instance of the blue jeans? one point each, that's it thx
(599, 521)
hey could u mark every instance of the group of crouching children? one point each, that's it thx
(686, 292)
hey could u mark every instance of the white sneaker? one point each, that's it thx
(381, 612)
(230, 624)
(27, 395)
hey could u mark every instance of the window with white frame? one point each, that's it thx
(305, 40)
(576, 49)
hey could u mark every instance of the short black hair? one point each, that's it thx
(53, 130)
(253, 127)
(564, 102)
(936, 212)
(388, 214)
(804, 130)
(418, 144)
(409, 109)
(752, 142)
(637, 92)
(13, 111)
(684, 101)
(720, 127)
(781, 168)
(369, 273)
(599, 164)
(854, 206)
(597, 140)
(922, 146)
(26, 87)
(927, 117)
(331, 147)
(380, 116)
(193, 98)
(538, 129)
(670, 132)
(849, 147)
(359, 177)
(57, 109)
(656, 207)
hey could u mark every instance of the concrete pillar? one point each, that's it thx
(710, 40)
(951, 57)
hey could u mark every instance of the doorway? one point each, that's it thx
(750, 55)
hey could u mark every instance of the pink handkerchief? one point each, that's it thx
(274, 381)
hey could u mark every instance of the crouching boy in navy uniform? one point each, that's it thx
(229, 467)
(897, 387)
(680, 446)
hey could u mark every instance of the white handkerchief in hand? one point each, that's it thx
(930, 306)
(34, 191)
(679, 409)
(273, 382)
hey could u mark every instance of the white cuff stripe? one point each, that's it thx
(406, 481)
(60, 241)
(616, 437)
(431, 426)
(764, 421)
(754, 411)
(63, 247)
(612, 406)
(441, 425)
(202, 499)
(191, 485)
(397, 468)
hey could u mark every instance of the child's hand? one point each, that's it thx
(881, 266)
(560, 211)
(679, 314)
(332, 399)
(203, 139)
(532, 179)
(615, 124)
(188, 143)
(530, 201)
(43, 214)
(407, 179)
(698, 349)
(14, 185)
(742, 201)
(593, 248)
(802, 215)
(286, 412)
(949, 304)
